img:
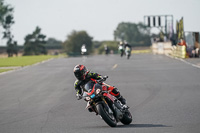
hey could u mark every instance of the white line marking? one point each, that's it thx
(190, 63)
(184, 61)
(114, 66)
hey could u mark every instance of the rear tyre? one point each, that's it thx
(127, 118)
(108, 118)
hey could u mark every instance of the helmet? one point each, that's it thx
(80, 71)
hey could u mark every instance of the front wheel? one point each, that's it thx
(128, 56)
(106, 116)
(127, 118)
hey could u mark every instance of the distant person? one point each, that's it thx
(127, 45)
(106, 49)
(121, 48)
(196, 48)
(173, 41)
(83, 49)
(182, 43)
(128, 49)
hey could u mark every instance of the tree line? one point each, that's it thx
(134, 34)
(36, 42)
(6, 21)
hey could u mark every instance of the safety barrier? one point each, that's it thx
(179, 51)
(167, 49)
(162, 48)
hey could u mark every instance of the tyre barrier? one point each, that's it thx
(179, 51)
(162, 48)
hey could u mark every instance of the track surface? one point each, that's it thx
(163, 93)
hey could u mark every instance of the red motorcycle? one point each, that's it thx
(110, 109)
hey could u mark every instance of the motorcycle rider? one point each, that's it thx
(83, 76)
(83, 49)
(127, 48)
(121, 48)
(127, 45)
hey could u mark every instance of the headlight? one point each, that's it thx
(98, 91)
(87, 98)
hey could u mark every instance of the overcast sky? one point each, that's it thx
(57, 18)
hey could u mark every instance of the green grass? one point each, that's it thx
(4, 70)
(23, 60)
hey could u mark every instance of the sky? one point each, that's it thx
(58, 18)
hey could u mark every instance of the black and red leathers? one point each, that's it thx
(79, 85)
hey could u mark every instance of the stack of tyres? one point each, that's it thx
(181, 51)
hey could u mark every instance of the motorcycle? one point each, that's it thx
(121, 49)
(107, 106)
(128, 52)
(83, 49)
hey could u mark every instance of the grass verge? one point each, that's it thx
(23, 60)
(4, 70)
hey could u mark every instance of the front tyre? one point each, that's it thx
(108, 118)
(127, 118)
(128, 56)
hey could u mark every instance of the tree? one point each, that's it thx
(5, 11)
(112, 46)
(6, 21)
(34, 43)
(52, 43)
(135, 34)
(75, 40)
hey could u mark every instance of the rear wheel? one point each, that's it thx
(106, 116)
(127, 118)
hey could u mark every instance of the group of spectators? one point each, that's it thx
(191, 50)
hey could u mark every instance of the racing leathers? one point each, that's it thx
(79, 86)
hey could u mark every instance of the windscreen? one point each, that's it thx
(89, 86)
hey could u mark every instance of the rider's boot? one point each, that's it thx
(90, 109)
(114, 91)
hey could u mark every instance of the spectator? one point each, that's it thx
(182, 43)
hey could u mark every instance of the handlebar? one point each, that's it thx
(102, 80)
(105, 77)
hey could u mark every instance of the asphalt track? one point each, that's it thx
(163, 93)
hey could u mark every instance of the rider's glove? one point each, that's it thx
(104, 78)
(78, 96)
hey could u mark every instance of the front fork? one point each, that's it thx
(115, 109)
(107, 106)
(91, 106)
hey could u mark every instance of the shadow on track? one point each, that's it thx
(133, 126)
(141, 126)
